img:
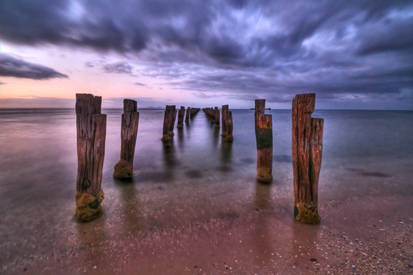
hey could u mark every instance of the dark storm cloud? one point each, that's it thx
(14, 67)
(241, 49)
(119, 68)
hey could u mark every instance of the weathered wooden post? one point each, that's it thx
(224, 111)
(187, 114)
(129, 130)
(307, 146)
(263, 133)
(168, 124)
(181, 114)
(229, 126)
(91, 134)
(216, 117)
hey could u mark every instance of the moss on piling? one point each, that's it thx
(88, 206)
(306, 214)
(123, 170)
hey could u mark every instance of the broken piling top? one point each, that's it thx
(307, 135)
(87, 105)
(130, 105)
(260, 105)
(91, 135)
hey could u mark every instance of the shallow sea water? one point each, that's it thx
(200, 181)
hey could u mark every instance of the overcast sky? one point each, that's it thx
(352, 54)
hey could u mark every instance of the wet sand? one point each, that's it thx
(239, 227)
(184, 217)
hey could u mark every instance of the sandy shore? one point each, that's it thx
(246, 228)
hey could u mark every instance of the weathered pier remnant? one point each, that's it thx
(307, 146)
(193, 112)
(216, 117)
(226, 124)
(263, 134)
(91, 134)
(212, 114)
(168, 124)
(129, 130)
(187, 114)
(181, 114)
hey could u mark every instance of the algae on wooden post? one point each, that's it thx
(91, 135)
(129, 130)
(307, 145)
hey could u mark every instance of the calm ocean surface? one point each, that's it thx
(195, 181)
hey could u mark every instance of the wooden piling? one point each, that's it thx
(91, 134)
(229, 126)
(263, 133)
(129, 130)
(216, 117)
(193, 112)
(181, 114)
(168, 124)
(226, 128)
(307, 146)
(224, 115)
(187, 114)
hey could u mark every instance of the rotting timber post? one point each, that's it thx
(181, 114)
(91, 135)
(307, 146)
(129, 131)
(187, 114)
(263, 134)
(226, 124)
(168, 124)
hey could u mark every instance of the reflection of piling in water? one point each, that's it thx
(91, 134)
(168, 124)
(226, 124)
(181, 114)
(129, 130)
(263, 134)
(307, 146)
(226, 156)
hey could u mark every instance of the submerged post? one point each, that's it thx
(181, 114)
(307, 146)
(168, 124)
(129, 130)
(91, 134)
(263, 133)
